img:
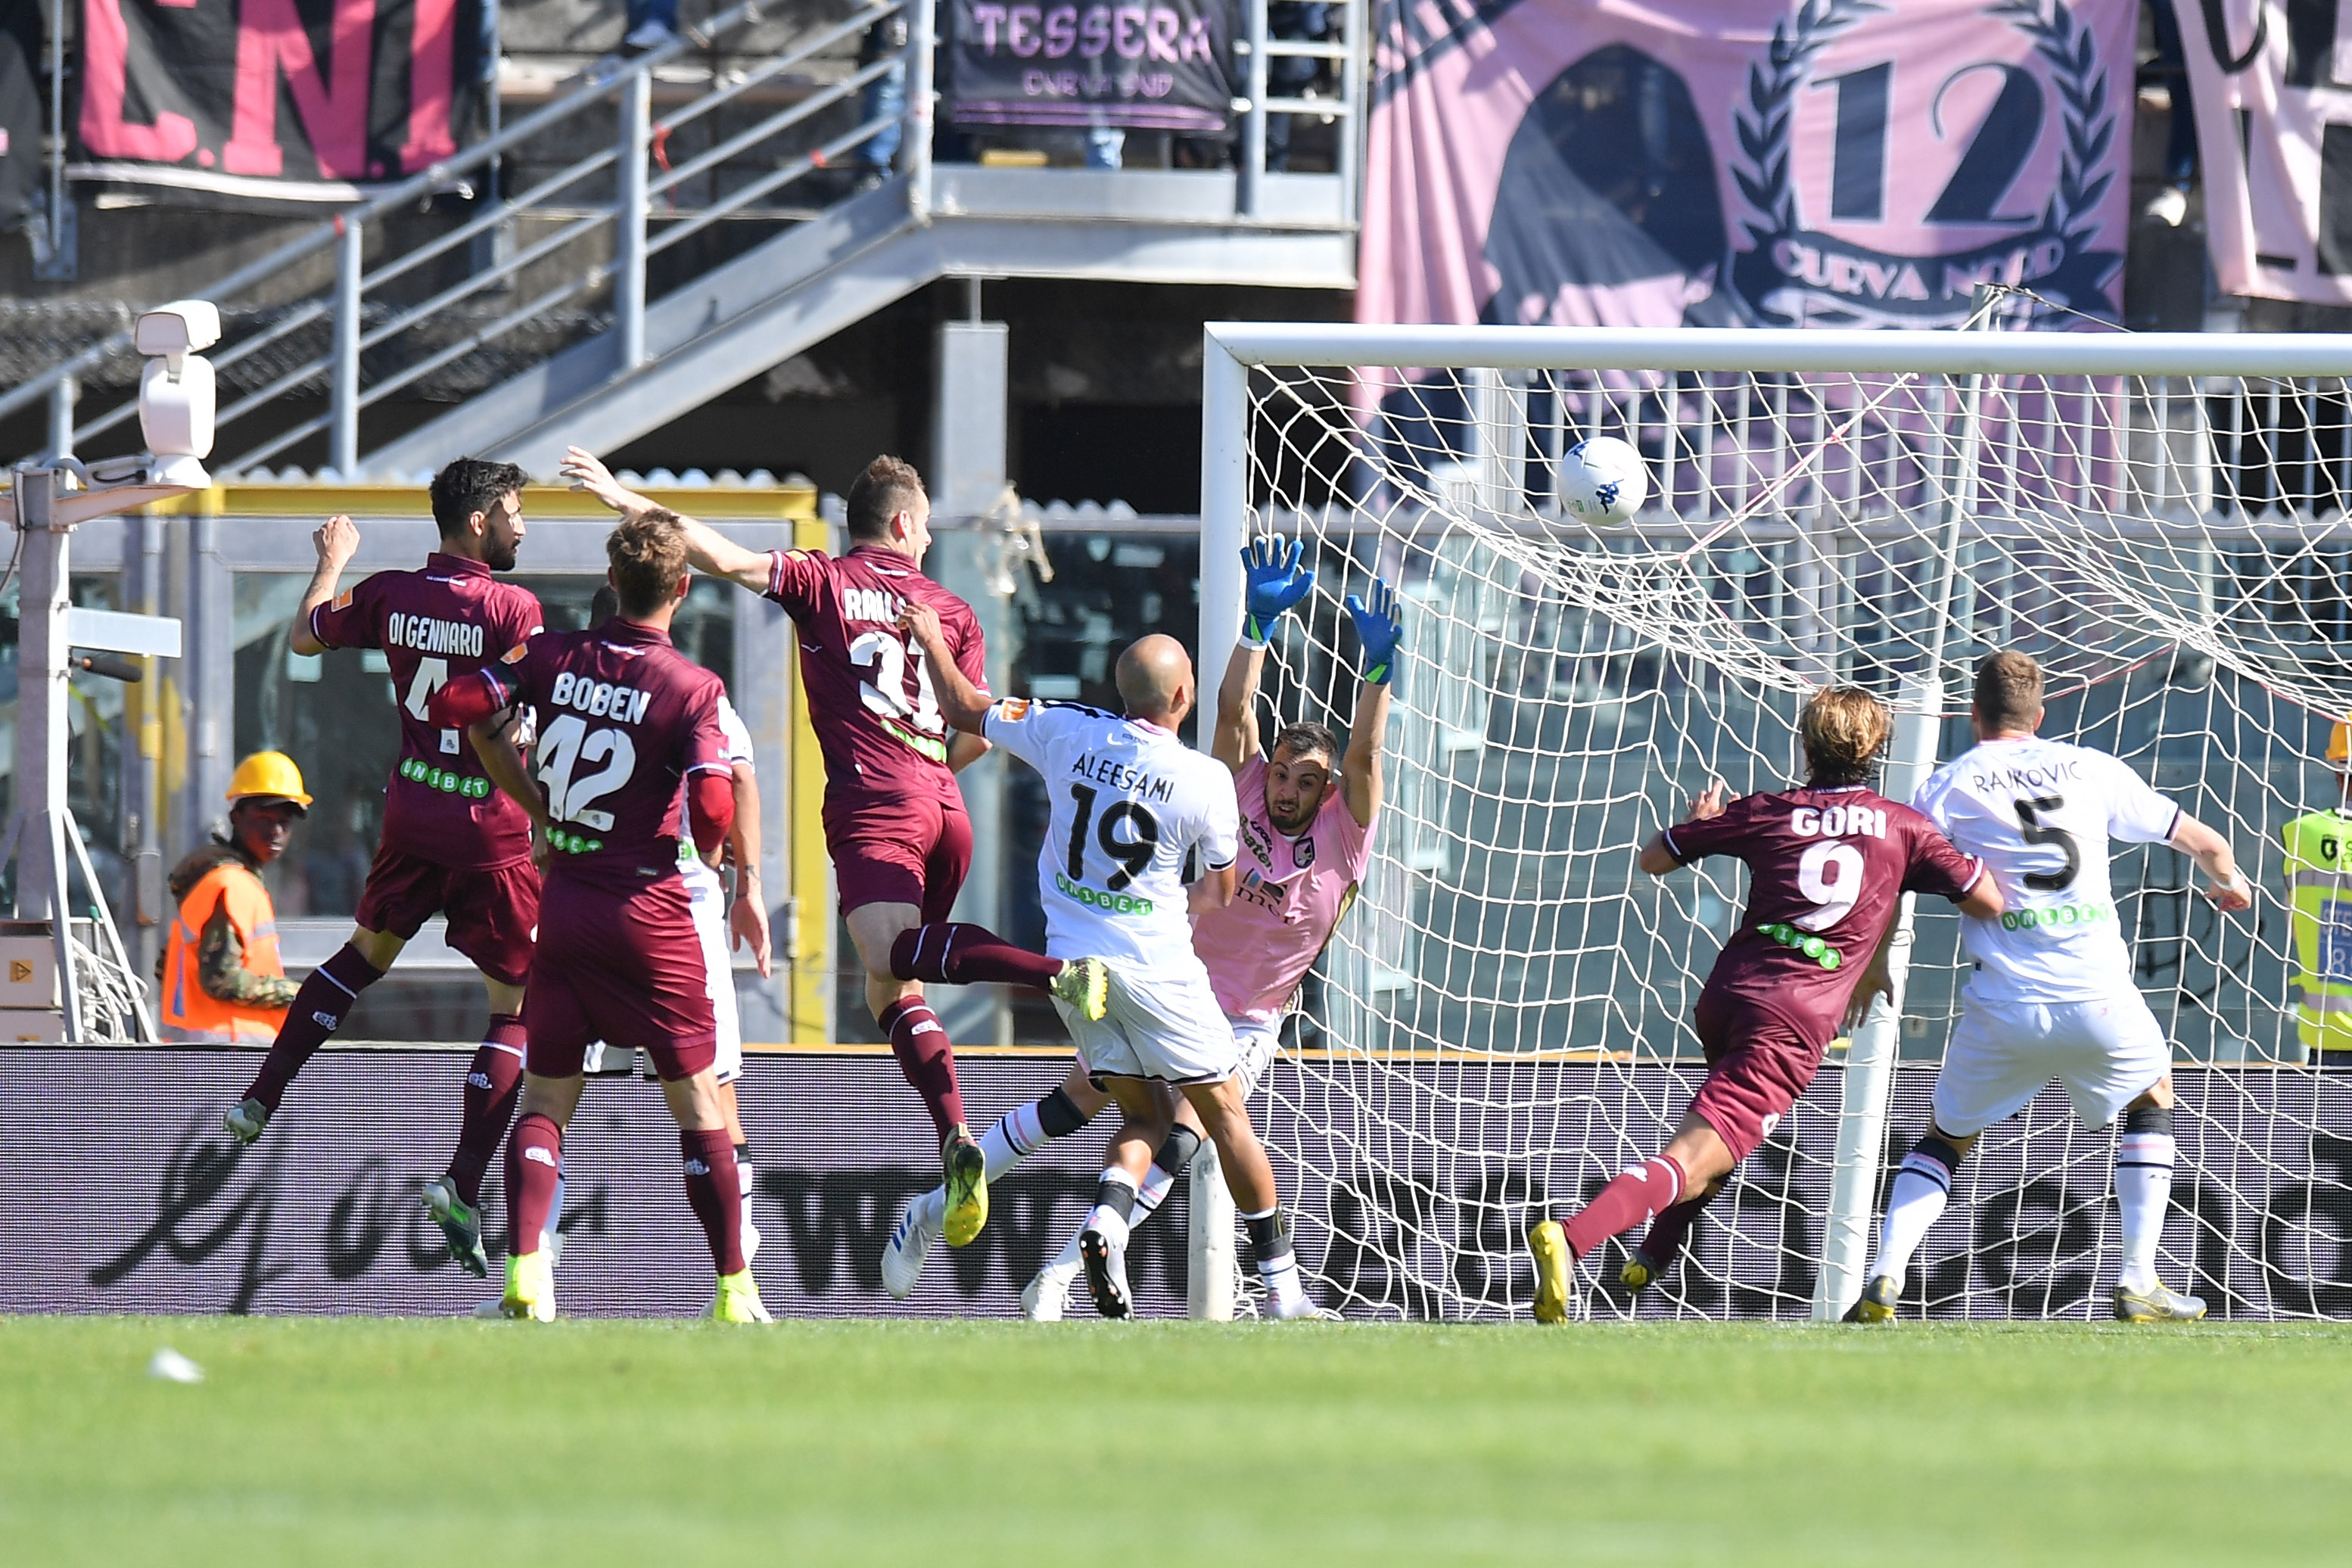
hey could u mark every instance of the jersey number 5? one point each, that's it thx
(1133, 855)
(2030, 828)
(570, 742)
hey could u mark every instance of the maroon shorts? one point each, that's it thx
(493, 915)
(899, 850)
(625, 968)
(1757, 1066)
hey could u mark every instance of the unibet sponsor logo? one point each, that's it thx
(2058, 917)
(447, 780)
(1813, 947)
(574, 844)
(930, 746)
(1109, 903)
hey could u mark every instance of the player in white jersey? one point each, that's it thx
(2052, 995)
(1306, 829)
(1129, 803)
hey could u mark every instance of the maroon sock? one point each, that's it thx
(957, 954)
(1640, 1193)
(919, 1041)
(491, 1083)
(316, 1012)
(714, 1194)
(1667, 1234)
(534, 1165)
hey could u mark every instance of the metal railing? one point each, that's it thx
(628, 87)
(386, 328)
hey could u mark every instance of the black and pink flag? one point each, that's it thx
(274, 100)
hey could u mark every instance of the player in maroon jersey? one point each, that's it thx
(452, 845)
(632, 761)
(894, 819)
(1827, 864)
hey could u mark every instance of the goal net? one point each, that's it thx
(1502, 1023)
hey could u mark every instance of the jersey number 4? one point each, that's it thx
(567, 745)
(1132, 854)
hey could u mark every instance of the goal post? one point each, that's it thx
(1501, 1023)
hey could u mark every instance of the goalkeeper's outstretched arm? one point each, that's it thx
(1236, 738)
(1378, 629)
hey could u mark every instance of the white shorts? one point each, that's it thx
(1257, 1040)
(2106, 1053)
(1157, 1024)
(709, 899)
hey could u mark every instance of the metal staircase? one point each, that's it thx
(648, 262)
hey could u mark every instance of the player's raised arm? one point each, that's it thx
(1378, 628)
(2229, 889)
(1272, 582)
(706, 549)
(1659, 855)
(961, 704)
(337, 540)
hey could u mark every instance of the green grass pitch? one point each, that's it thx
(456, 1444)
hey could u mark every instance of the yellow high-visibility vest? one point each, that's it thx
(2319, 902)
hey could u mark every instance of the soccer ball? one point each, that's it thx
(1603, 482)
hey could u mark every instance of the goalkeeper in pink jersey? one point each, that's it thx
(1827, 864)
(1307, 814)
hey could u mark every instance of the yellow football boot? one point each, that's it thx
(967, 1183)
(739, 1299)
(1085, 985)
(1555, 1267)
(531, 1287)
(1877, 1303)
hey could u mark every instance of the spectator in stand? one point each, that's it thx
(884, 98)
(222, 979)
(2170, 205)
(651, 24)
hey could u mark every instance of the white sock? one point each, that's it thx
(1278, 1260)
(1157, 1185)
(931, 1208)
(2143, 1191)
(1920, 1190)
(1012, 1138)
(1067, 1258)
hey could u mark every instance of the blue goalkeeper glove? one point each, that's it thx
(1378, 628)
(1273, 581)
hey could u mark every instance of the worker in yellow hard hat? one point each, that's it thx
(2319, 915)
(222, 976)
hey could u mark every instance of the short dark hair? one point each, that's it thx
(1306, 736)
(888, 487)
(2008, 690)
(647, 552)
(603, 606)
(468, 485)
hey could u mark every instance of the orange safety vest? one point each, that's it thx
(186, 1004)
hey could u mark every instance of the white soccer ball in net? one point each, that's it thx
(1603, 481)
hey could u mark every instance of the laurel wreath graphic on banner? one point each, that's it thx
(2063, 44)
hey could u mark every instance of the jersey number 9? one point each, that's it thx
(1830, 874)
(1133, 855)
